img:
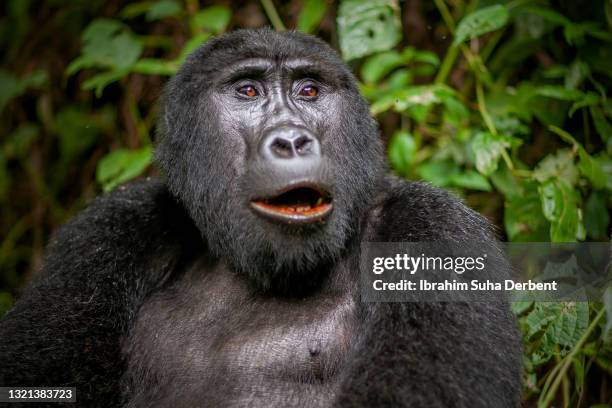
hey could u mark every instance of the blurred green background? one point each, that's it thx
(505, 103)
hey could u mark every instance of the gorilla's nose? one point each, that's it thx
(290, 143)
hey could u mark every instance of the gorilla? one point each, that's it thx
(232, 280)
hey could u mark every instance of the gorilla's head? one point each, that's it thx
(269, 145)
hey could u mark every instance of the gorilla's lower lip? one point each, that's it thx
(296, 205)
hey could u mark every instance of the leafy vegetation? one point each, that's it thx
(505, 103)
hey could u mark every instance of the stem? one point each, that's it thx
(491, 44)
(453, 50)
(587, 130)
(565, 392)
(446, 15)
(482, 107)
(550, 394)
(273, 16)
(523, 173)
(447, 64)
(141, 128)
(507, 160)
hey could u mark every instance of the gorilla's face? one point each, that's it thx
(269, 145)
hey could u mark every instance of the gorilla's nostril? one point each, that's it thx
(282, 147)
(303, 144)
(288, 142)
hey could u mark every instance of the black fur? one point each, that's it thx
(173, 293)
(197, 126)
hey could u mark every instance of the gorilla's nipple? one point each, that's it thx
(314, 348)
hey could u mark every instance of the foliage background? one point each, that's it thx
(504, 103)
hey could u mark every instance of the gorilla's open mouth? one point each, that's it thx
(302, 204)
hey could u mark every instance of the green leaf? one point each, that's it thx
(510, 125)
(528, 27)
(538, 319)
(401, 151)
(559, 164)
(162, 9)
(578, 365)
(480, 22)
(19, 142)
(212, 19)
(558, 324)
(576, 74)
(438, 173)
(521, 307)
(11, 86)
(596, 216)
(416, 100)
(523, 219)
(548, 111)
(559, 92)
(190, 46)
(591, 169)
(399, 79)
(108, 44)
(488, 148)
(551, 201)
(100, 81)
(602, 125)
(588, 166)
(549, 14)
(589, 99)
(606, 165)
(135, 9)
(311, 15)
(122, 165)
(505, 182)
(560, 207)
(150, 66)
(366, 27)
(426, 57)
(472, 180)
(379, 65)
(569, 325)
(455, 111)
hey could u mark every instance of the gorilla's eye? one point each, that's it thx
(248, 90)
(309, 91)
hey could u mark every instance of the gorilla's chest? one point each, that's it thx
(208, 342)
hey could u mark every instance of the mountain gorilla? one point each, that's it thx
(234, 280)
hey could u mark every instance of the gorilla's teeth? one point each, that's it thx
(319, 202)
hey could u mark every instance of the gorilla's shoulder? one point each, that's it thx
(415, 210)
(130, 205)
(146, 196)
(134, 218)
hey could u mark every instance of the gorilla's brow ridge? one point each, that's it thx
(255, 68)
(258, 68)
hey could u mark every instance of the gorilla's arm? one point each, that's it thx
(434, 354)
(67, 326)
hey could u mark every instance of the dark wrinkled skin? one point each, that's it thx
(176, 293)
